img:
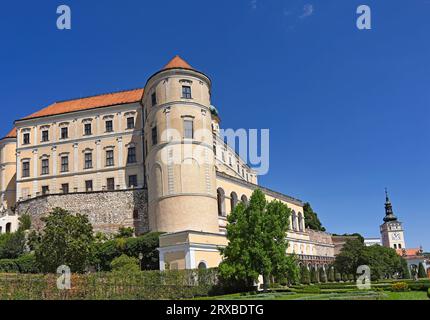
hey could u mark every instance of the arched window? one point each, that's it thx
(395, 246)
(233, 200)
(221, 202)
(244, 200)
(400, 246)
(202, 265)
(294, 220)
(300, 221)
(8, 227)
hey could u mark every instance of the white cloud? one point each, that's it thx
(254, 4)
(308, 10)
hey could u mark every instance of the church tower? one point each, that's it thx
(179, 157)
(392, 232)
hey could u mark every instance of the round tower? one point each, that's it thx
(179, 150)
(8, 171)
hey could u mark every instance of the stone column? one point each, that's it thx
(18, 175)
(35, 141)
(75, 166)
(119, 114)
(190, 261)
(97, 129)
(53, 133)
(35, 173)
(75, 122)
(54, 169)
(98, 185)
(121, 173)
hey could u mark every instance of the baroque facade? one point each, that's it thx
(152, 159)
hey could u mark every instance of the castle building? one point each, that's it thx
(150, 158)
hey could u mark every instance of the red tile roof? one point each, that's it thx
(11, 134)
(99, 101)
(178, 62)
(408, 252)
(93, 102)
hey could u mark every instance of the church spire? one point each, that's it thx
(389, 214)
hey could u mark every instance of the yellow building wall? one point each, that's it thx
(75, 147)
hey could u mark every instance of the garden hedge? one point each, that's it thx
(145, 285)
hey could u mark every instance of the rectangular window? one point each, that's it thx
(89, 185)
(110, 184)
(186, 92)
(188, 129)
(45, 136)
(87, 129)
(131, 156)
(26, 138)
(109, 125)
(65, 188)
(45, 190)
(64, 133)
(132, 181)
(154, 136)
(130, 123)
(88, 160)
(154, 99)
(45, 166)
(25, 169)
(214, 147)
(65, 164)
(109, 158)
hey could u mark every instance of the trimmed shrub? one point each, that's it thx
(314, 275)
(323, 276)
(331, 277)
(8, 266)
(399, 287)
(422, 271)
(338, 277)
(125, 263)
(146, 285)
(344, 277)
(428, 293)
(132, 247)
(305, 276)
(27, 264)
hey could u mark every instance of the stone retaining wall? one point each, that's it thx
(107, 211)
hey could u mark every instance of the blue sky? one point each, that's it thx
(348, 110)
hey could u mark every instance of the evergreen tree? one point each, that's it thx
(421, 271)
(311, 218)
(314, 275)
(323, 276)
(331, 277)
(305, 276)
(406, 271)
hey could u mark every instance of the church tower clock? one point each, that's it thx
(392, 232)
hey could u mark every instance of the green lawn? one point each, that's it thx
(411, 295)
(351, 295)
